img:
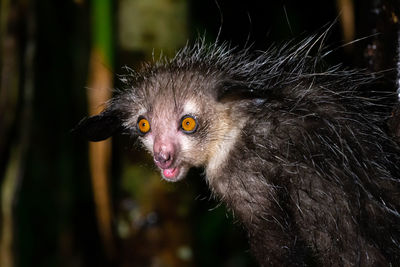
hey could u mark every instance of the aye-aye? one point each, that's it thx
(294, 150)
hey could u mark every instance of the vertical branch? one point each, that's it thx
(9, 88)
(347, 21)
(100, 82)
(21, 14)
(9, 73)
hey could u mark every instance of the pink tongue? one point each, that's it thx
(169, 173)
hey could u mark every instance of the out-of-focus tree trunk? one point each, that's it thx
(347, 20)
(17, 84)
(100, 84)
(10, 17)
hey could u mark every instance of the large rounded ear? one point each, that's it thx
(99, 127)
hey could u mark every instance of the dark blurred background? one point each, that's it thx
(65, 202)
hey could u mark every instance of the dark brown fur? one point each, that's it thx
(293, 150)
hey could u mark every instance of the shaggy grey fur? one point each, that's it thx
(311, 176)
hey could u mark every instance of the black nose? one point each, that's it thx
(163, 159)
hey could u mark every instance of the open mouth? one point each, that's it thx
(171, 174)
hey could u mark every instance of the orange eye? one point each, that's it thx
(189, 124)
(143, 125)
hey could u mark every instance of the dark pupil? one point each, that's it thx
(143, 124)
(187, 123)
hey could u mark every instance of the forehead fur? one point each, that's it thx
(168, 93)
(179, 91)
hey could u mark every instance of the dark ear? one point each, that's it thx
(234, 91)
(99, 127)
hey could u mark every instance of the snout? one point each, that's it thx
(164, 153)
(164, 159)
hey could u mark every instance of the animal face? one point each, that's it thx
(174, 135)
(180, 124)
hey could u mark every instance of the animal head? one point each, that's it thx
(176, 115)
